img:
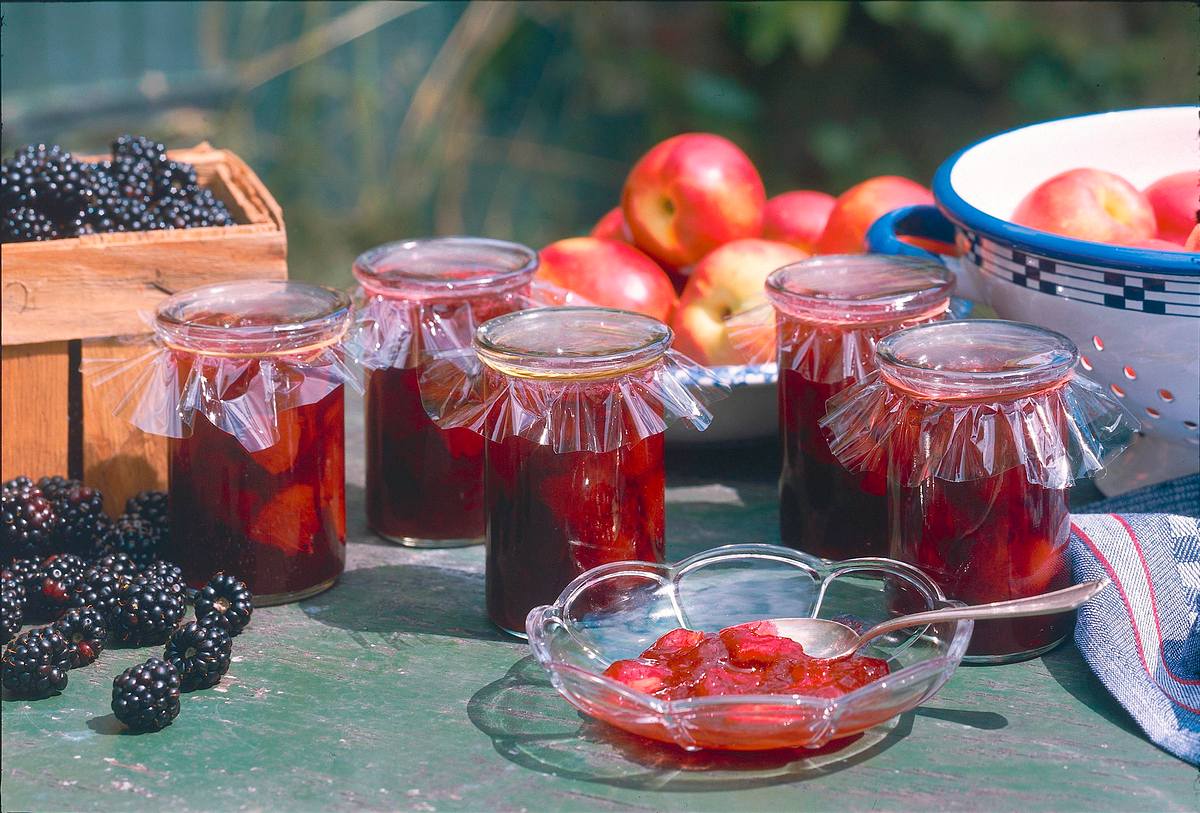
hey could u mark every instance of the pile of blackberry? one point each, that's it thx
(101, 582)
(46, 193)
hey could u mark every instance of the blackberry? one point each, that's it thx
(146, 697)
(81, 516)
(132, 536)
(200, 653)
(61, 573)
(35, 663)
(52, 486)
(10, 582)
(138, 148)
(12, 613)
(99, 589)
(152, 507)
(147, 611)
(165, 571)
(85, 631)
(28, 524)
(27, 573)
(25, 224)
(119, 564)
(135, 178)
(226, 602)
(174, 178)
(21, 483)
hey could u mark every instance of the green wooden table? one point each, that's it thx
(393, 692)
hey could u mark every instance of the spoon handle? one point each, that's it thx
(1059, 601)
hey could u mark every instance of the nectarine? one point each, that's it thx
(1176, 201)
(861, 205)
(608, 273)
(797, 217)
(1088, 204)
(690, 194)
(727, 281)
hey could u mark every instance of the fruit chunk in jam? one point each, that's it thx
(991, 539)
(551, 516)
(276, 517)
(746, 659)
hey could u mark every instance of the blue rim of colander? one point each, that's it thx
(1044, 244)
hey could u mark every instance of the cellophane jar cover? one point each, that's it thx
(967, 400)
(239, 354)
(572, 378)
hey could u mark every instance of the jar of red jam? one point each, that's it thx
(829, 313)
(573, 403)
(425, 484)
(983, 426)
(249, 388)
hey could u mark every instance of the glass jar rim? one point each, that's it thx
(444, 267)
(571, 342)
(253, 318)
(975, 359)
(854, 289)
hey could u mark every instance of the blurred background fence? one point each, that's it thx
(374, 121)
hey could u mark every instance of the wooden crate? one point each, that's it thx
(65, 302)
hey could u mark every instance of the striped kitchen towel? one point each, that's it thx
(1141, 635)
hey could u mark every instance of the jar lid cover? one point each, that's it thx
(857, 288)
(444, 266)
(975, 358)
(253, 317)
(570, 342)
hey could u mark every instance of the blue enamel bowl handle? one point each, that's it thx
(909, 221)
(923, 221)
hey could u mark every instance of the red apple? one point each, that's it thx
(613, 227)
(1175, 200)
(797, 217)
(690, 194)
(1193, 241)
(725, 282)
(608, 273)
(1088, 204)
(861, 205)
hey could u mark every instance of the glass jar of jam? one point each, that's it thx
(573, 403)
(425, 484)
(829, 313)
(249, 387)
(983, 426)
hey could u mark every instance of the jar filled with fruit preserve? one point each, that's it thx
(829, 313)
(983, 426)
(248, 385)
(572, 403)
(418, 297)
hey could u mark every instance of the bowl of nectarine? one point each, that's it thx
(1088, 225)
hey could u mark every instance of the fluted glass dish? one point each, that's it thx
(617, 610)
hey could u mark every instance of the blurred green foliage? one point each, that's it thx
(372, 122)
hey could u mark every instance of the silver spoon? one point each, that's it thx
(822, 638)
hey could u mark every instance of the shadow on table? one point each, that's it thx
(532, 726)
(755, 462)
(1070, 671)
(390, 599)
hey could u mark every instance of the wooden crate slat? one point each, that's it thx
(118, 458)
(34, 406)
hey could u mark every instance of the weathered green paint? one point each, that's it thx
(392, 691)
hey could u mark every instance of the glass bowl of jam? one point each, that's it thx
(674, 652)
